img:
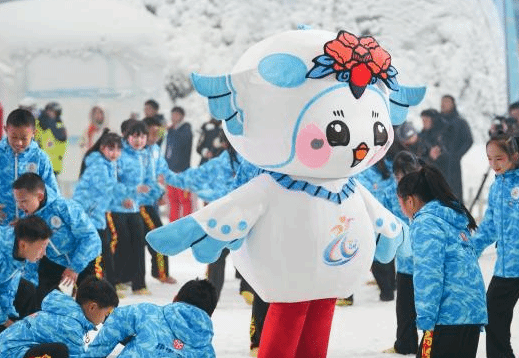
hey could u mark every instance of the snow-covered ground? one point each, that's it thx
(362, 330)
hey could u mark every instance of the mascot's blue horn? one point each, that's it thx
(221, 97)
(399, 102)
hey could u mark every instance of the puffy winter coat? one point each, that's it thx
(12, 165)
(74, 241)
(448, 285)
(501, 224)
(175, 330)
(97, 186)
(11, 271)
(131, 172)
(61, 320)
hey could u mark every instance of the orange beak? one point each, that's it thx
(359, 153)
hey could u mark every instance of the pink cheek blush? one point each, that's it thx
(312, 148)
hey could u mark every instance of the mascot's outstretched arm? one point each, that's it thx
(391, 232)
(225, 222)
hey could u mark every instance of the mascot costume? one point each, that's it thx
(310, 109)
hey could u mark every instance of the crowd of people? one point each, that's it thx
(67, 262)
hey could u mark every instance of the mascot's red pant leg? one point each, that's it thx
(297, 330)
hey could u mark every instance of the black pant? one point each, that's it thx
(385, 276)
(159, 262)
(107, 256)
(24, 301)
(128, 240)
(502, 295)
(457, 341)
(216, 275)
(259, 312)
(406, 332)
(49, 277)
(51, 350)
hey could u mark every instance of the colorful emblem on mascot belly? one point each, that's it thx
(341, 249)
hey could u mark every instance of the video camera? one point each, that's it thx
(503, 125)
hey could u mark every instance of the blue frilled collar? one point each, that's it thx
(317, 191)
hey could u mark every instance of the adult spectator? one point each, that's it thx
(408, 139)
(51, 135)
(458, 140)
(97, 123)
(178, 156)
(209, 144)
(151, 110)
(432, 133)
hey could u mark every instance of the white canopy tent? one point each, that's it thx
(80, 53)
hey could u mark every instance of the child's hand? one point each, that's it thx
(143, 189)
(161, 179)
(127, 203)
(69, 277)
(162, 200)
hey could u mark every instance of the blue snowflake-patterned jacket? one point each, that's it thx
(11, 271)
(12, 165)
(132, 168)
(215, 178)
(448, 285)
(404, 264)
(156, 165)
(175, 330)
(97, 186)
(75, 241)
(372, 180)
(61, 319)
(384, 190)
(501, 224)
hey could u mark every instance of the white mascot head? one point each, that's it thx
(311, 103)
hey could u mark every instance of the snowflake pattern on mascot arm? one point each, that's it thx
(311, 109)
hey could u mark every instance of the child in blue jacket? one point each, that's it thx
(406, 334)
(157, 166)
(75, 243)
(448, 285)
(501, 225)
(97, 186)
(125, 222)
(61, 328)
(19, 153)
(24, 242)
(377, 179)
(180, 329)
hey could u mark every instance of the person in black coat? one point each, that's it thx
(433, 131)
(458, 140)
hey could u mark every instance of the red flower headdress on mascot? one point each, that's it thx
(359, 61)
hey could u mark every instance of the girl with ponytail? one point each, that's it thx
(96, 188)
(500, 225)
(448, 285)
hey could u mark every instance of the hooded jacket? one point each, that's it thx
(132, 168)
(501, 224)
(175, 330)
(12, 165)
(448, 284)
(61, 319)
(97, 186)
(74, 241)
(11, 270)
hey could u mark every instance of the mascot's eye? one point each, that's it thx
(380, 133)
(337, 133)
